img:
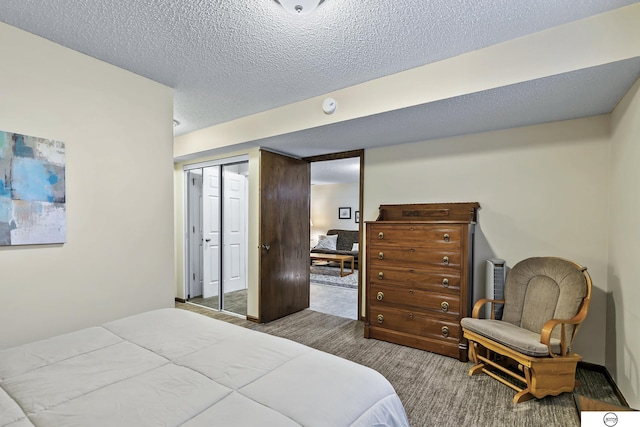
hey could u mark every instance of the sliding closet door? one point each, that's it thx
(211, 223)
(217, 236)
(234, 238)
(284, 235)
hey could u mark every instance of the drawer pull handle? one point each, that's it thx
(445, 260)
(410, 315)
(380, 318)
(445, 282)
(412, 250)
(380, 255)
(411, 291)
(445, 331)
(446, 237)
(381, 235)
(380, 296)
(381, 275)
(444, 306)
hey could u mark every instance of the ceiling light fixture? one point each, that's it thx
(299, 7)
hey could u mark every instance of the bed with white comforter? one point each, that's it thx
(171, 367)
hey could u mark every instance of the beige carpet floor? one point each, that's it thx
(235, 302)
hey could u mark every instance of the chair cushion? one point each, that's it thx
(540, 289)
(519, 339)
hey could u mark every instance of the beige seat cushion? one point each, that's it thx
(519, 339)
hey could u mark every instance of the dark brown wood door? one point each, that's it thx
(285, 186)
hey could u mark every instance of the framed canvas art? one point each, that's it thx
(32, 190)
(344, 213)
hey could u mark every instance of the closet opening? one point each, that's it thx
(216, 235)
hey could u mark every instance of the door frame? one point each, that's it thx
(186, 235)
(347, 155)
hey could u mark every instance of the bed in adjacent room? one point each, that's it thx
(171, 367)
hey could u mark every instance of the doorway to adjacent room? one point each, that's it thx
(336, 201)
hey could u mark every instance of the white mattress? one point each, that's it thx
(171, 367)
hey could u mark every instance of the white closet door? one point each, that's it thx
(235, 220)
(211, 231)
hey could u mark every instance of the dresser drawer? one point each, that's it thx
(432, 236)
(425, 301)
(429, 280)
(412, 257)
(414, 323)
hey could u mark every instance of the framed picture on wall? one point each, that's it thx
(344, 213)
(32, 190)
(357, 216)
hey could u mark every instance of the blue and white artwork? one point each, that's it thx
(32, 190)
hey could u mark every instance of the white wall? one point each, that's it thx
(325, 201)
(623, 297)
(117, 128)
(541, 191)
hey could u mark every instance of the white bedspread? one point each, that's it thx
(171, 367)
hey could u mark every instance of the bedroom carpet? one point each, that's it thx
(434, 389)
(235, 302)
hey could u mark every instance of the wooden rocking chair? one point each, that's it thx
(545, 300)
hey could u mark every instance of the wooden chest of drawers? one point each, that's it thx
(419, 277)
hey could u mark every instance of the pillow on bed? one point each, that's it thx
(354, 248)
(327, 242)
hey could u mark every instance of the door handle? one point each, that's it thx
(207, 240)
(265, 247)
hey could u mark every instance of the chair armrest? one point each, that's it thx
(549, 326)
(478, 305)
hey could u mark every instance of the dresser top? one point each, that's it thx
(430, 212)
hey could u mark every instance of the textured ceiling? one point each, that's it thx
(229, 59)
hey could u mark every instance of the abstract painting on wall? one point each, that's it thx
(32, 190)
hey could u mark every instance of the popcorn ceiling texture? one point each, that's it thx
(228, 58)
